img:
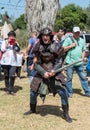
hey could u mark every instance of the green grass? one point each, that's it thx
(49, 115)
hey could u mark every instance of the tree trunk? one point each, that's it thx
(41, 13)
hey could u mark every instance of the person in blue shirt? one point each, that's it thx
(29, 53)
(88, 64)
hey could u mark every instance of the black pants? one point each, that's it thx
(18, 71)
(29, 62)
(9, 74)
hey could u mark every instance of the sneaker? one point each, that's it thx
(18, 78)
(7, 92)
(50, 94)
(70, 95)
(88, 95)
(12, 93)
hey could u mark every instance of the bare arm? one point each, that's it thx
(83, 55)
(66, 48)
(31, 67)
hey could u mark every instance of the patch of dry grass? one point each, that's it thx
(49, 114)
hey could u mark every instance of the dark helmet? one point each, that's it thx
(16, 48)
(12, 33)
(46, 31)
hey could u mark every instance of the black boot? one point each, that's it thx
(32, 109)
(66, 114)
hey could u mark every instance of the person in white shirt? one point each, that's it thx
(20, 62)
(9, 48)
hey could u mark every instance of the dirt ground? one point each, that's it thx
(49, 115)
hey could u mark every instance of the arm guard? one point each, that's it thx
(57, 66)
(39, 69)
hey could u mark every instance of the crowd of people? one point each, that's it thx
(45, 54)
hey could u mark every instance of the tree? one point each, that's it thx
(19, 23)
(58, 22)
(72, 15)
(41, 13)
(88, 17)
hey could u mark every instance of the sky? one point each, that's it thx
(14, 7)
(17, 7)
(81, 3)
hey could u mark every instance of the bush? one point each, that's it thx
(22, 37)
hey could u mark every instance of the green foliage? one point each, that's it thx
(71, 15)
(19, 23)
(4, 17)
(58, 22)
(88, 17)
(82, 26)
(22, 37)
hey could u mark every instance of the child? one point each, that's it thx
(20, 62)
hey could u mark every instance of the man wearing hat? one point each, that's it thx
(75, 51)
(47, 54)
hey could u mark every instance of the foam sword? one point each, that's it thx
(67, 66)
